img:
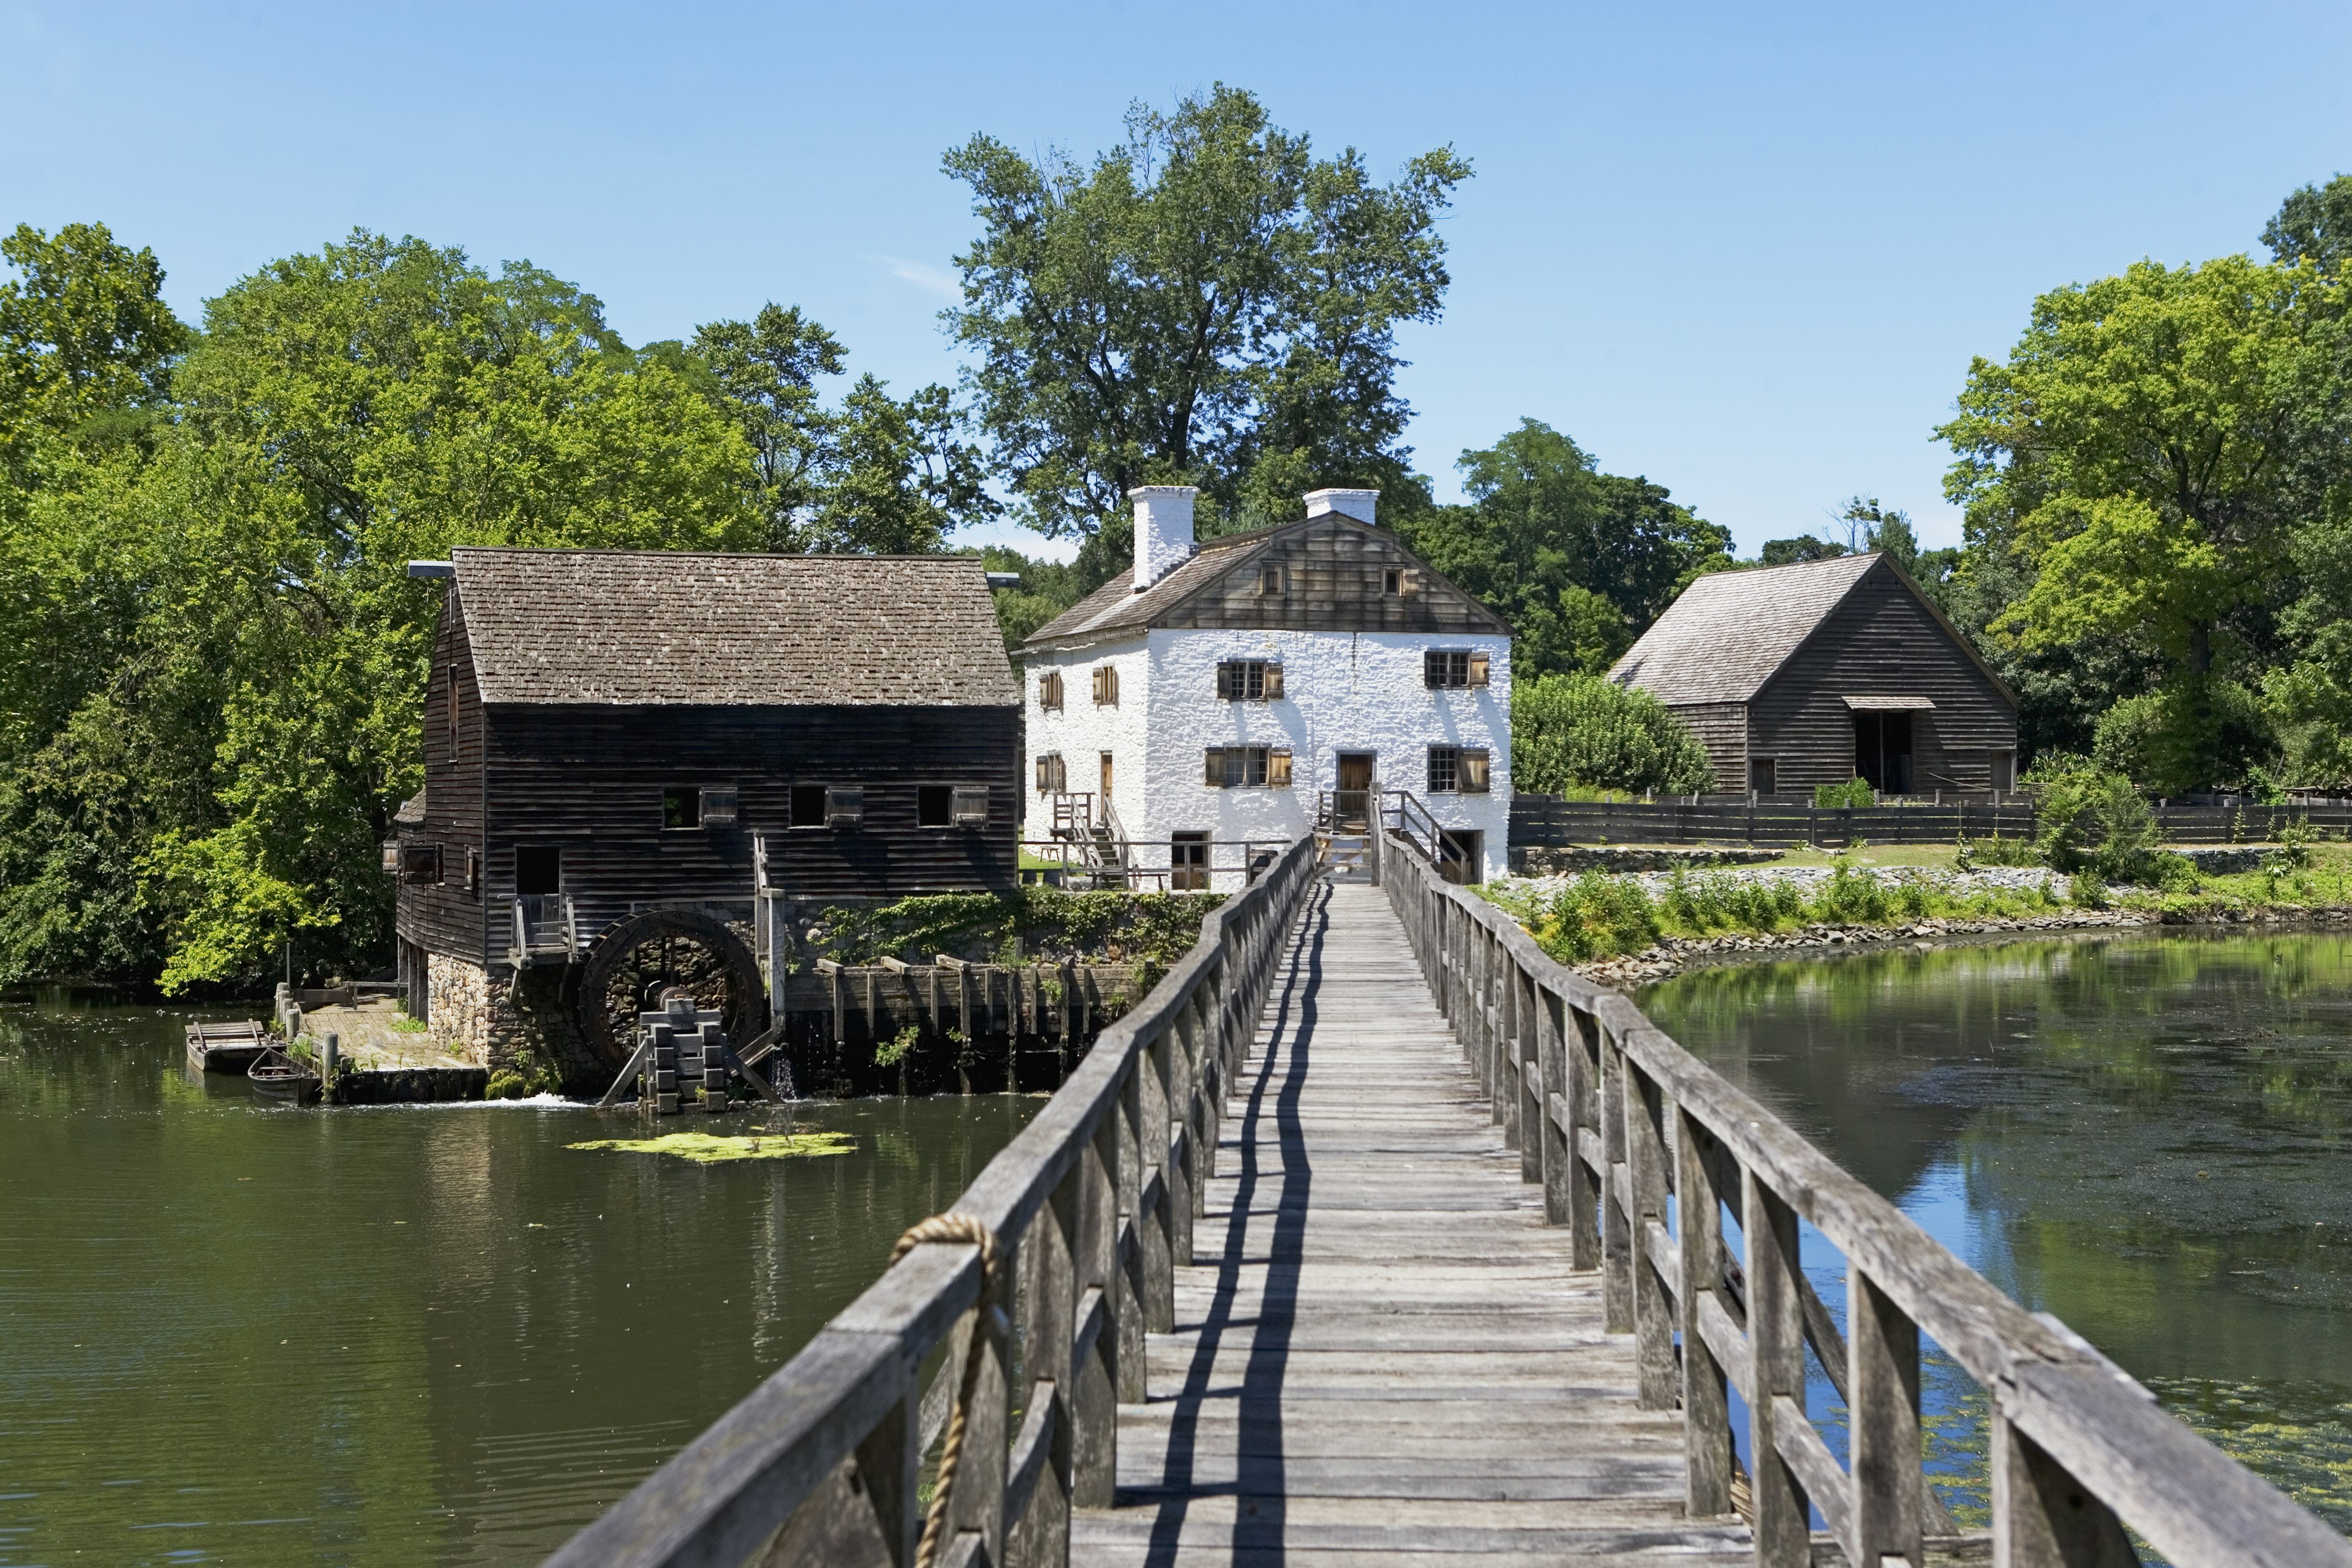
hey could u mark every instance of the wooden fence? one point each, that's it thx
(1643, 1153)
(1092, 1207)
(1540, 821)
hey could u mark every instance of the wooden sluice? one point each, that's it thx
(1373, 1236)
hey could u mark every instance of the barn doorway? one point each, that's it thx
(1467, 861)
(1882, 751)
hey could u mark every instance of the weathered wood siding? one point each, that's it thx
(1881, 640)
(446, 918)
(1722, 729)
(1334, 580)
(590, 779)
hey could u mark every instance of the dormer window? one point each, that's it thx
(1270, 582)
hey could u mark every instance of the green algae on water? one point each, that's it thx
(708, 1148)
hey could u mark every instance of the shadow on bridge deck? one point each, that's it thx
(1380, 1349)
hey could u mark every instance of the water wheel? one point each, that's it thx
(636, 964)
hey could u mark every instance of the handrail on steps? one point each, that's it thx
(1094, 1202)
(1613, 1120)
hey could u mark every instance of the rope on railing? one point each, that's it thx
(954, 1228)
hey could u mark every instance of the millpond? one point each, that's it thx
(2149, 1136)
(239, 1332)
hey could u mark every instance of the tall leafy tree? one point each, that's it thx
(766, 370)
(1579, 562)
(2140, 451)
(1206, 302)
(2314, 225)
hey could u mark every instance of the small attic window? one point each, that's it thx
(1269, 582)
(1392, 582)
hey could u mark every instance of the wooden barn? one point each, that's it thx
(622, 746)
(1826, 671)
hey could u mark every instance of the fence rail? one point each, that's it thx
(1092, 1206)
(1540, 821)
(1644, 1154)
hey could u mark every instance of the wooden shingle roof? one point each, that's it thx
(628, 626)
(1730, 632)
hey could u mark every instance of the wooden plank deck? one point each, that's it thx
(1380, 1352)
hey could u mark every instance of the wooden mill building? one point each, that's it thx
(1826, 671)
(612, 731)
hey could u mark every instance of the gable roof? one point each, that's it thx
(646, 627)
(1115, 609)
(1730, 632)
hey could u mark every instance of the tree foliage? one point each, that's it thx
(1579, 561)
(1581, 732)
(1205, 304)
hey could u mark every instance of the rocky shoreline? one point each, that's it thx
(1673, 955)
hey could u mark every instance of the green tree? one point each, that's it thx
(1804, 547)
(2139, 449)
(895, 479)
(1579, 561)
(2314, 225)
(1206, 304)
(86, 341)
(766, 370)
(1579, 732)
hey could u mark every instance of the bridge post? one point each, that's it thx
(1176, 1072)
(1527, 1011)
(1200, 1119)
(1160, 1227)
(1138, 1285)
(1580, 1046)
(1039, 1536)
(1557, 1145)
(2044, 1517)
(1882, 1400)
(1706, 1412)
(1616, 1225)
(1646, 1160)
(1775, 1335)
(1095, 1380)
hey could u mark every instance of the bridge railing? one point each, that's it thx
(1644, 1152)
(1092, 1207)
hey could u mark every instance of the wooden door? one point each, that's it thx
(1106, 778)
(1351, 802)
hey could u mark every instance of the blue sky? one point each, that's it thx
(1745, 250)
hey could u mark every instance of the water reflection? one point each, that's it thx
(264, 1335)
(2145, 1135)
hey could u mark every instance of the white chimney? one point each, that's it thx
(1163, 530)
(1357, 504)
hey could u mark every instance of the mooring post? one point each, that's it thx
(328, 1060)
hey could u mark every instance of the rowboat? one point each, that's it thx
(226, 1047)
(276, 1076)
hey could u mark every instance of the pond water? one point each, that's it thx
(258, 1335)
(2150, 1136)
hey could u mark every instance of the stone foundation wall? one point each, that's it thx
(457, 1007)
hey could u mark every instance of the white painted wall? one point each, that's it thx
(1343, 691)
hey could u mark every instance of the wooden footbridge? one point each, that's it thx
(1372, 1235)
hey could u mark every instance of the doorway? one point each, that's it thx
(1188, 863)
(1468, 863)
(1882, 751)
(1352, 800)
(1106, 778)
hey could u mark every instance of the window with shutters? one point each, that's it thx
(1053, 778)
(1457, 770)
(934, 806)
(1249, 680)
(1247, 767)
(1106, 686)
(420, 863)
(808, 805)
(1049, 691)
(681, 808)
(1453, 668)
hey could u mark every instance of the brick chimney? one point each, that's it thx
(1163, 530)
(1357, 504)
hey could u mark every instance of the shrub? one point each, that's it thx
(1595, 916)
(2188, 734)
(1997, 851)
(1580, 731)
(2087, 890)
(1853, 791)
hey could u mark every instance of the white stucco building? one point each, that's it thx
(1214, 692)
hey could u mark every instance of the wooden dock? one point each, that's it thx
(1382, 1352)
